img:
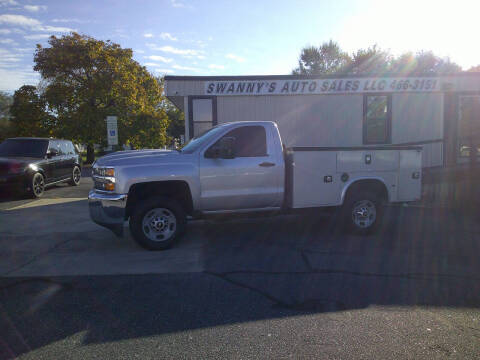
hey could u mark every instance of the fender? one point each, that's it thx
(361, 178)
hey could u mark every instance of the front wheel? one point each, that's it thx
(156, 223)
(37, 186)
(363, 212)
(76, 176)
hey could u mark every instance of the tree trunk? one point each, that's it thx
(90, 154)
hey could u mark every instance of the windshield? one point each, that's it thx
(24, 148)
(197, 142)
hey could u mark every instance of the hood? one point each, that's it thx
(131, 157)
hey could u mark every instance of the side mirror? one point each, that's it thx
(51, 153)
(227, 147)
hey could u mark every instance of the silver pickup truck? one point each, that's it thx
(243, 167)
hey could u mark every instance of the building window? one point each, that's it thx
(377, 119)
(469, 126)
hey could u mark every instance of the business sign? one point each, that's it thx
(321, 86)
(112, 130)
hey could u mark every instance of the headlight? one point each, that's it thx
(104, 178)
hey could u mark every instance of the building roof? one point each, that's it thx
(307, 77)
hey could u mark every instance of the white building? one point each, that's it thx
(440, 113)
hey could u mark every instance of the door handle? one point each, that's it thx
(266, 164)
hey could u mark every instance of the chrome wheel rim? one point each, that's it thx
(364, 213)
(76, 175)
(159, 224)
(38, 185)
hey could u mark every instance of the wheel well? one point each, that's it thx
(373, 185)
(175, 189)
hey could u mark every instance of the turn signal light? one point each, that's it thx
(110, 172)
(109, 186)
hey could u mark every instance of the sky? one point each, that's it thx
(242, 37)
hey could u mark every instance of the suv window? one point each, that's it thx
(55, 144)
(250, 141)
(67, 147)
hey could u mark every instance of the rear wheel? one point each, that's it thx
(37, 187)
(363, 212)
(157, 223)
(76, 176)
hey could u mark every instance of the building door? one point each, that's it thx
(202, 114)
(468, 131)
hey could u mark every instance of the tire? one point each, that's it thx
(362, 213)
(37, 186)
(76, 176)
(157, 223)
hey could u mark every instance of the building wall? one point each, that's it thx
(307, 120)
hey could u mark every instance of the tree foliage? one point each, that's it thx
(6, 129)
(329, 58)
(28, 113)
(326, 59)
(88, 79)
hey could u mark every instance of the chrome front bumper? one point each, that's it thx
(108, 210)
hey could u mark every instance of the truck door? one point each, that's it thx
(249, 180)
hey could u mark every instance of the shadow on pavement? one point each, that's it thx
(256, 269)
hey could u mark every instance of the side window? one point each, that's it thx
(63, 147)
(53, 144)
(377, 119)
(67, 148)
(250, 141)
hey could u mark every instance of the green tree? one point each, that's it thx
(28, 113)
(149, 130)
(326, 59)
(86, 80)
(6, 128)
(368, 61)
(331, 59)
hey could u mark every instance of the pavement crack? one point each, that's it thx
(413, 276)
(266, 295)
(37, 256)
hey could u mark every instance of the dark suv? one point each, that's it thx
(31, 164)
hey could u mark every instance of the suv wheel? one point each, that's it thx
(37, 187)
(156, 223)
(363, 212)
(76, 176)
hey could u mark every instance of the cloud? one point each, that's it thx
(201, 57)
(164, 71)
(148, 35)
(35, 8)
(8, 3)
(12, 79)
(139, 51)
(180, 67)
(19, 20)
(214, 66)
(176, 51)
(177, 4)
(7, 41)
(235, 57)
(159, 58)
(5, 31)
(69, 21)
(168, 36)
(31, 23)
(36, 37)
(7, 56)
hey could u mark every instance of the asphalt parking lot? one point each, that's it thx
(282, 287)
